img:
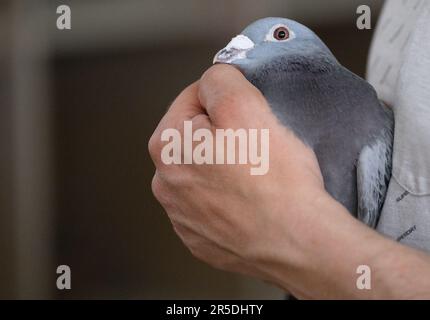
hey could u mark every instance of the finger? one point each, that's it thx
(187, 104)
(210, 252)
(186, 107)
(229, 99)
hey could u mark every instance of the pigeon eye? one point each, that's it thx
(281, 33)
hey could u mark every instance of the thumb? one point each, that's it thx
(230, 100)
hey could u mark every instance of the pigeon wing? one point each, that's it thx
(374, 173)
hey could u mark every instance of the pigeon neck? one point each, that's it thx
(299, 69)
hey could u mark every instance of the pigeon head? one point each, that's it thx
(273, 45)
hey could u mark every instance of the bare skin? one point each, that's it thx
(282, 227)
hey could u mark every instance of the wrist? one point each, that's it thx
(319, 253)
(316, 254)
(295, 239)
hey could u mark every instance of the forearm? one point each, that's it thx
(327, 255)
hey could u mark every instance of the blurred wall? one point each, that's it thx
(7, 248)
(111, 79)
(29, 150)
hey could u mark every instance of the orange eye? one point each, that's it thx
(281, 33)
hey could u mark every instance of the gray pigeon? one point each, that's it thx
(329, 108)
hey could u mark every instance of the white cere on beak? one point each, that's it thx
(235, 49)
(240, 42)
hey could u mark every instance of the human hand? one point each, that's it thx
(281, 227)
(225, 216)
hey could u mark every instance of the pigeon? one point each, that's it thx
(331, 109)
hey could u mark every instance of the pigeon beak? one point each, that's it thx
(236, 49)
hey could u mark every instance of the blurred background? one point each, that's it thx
(77, 108)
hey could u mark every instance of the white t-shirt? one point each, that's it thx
(399, 69)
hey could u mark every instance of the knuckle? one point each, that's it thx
(198, 253)
(157, 188)
(165, 189)
(154, 147)
(211, 74)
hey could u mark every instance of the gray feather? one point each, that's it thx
(329, 108)
(373, 176)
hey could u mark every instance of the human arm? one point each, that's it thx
(281, 227)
